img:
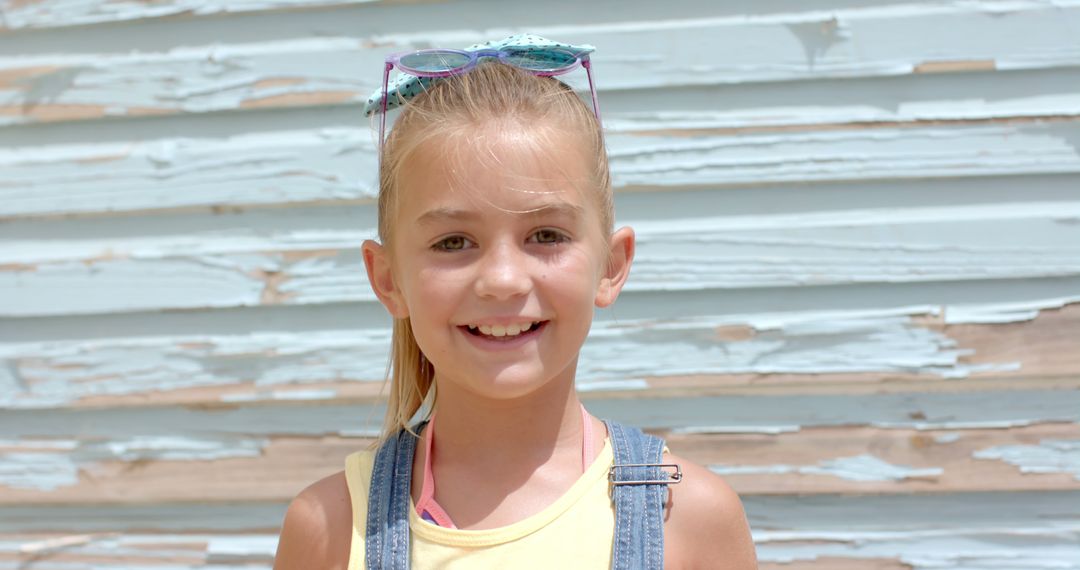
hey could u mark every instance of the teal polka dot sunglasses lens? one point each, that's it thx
(434, 61)
(540, 59)
(444, 63)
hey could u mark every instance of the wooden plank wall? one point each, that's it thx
(857, 295)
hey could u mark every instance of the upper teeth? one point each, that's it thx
(504, 330)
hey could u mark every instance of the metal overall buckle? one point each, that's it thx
(672, 478)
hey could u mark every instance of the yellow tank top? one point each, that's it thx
(576, 531)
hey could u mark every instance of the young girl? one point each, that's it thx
(497, 242)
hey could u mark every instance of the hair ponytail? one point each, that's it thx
(411, 377)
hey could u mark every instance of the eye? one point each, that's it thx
(549, 236)
(452, 243)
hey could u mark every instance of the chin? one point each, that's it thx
(510, 389)
(512, 384)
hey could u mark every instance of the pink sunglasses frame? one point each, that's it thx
(502, 54)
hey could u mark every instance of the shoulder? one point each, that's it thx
(705, 525)
(317, 531)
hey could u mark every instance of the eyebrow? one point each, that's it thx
(437, 215)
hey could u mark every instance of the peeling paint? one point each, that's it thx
(618, 355)
(661, 414)
(1050, 456)
(859, 226)
(869, 468)
(280, 395)
(587, 385)
(39, 444)
(783, 343)
(802, 517)
(699, 254)
(366, 432)
(1003, 312)
(818, 37)
(267, 168)
(145, 551)
(42, 470)
(745, 118)
(159, 448)
(769, 430)
(955, 425)
(863, 467)
(211, 78)
(818, 155)
(63, 372)
(242, 545)
(1018, 549)
(64, 13)
(339, 164)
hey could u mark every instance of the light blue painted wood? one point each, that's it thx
(819, 189)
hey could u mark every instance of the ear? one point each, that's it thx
(621, 252)
(381, 277)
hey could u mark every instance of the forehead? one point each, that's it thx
(497, 169)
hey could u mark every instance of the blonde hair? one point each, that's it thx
(451, 110)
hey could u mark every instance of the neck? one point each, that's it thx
(522, 432)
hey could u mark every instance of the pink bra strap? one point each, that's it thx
(427, 505)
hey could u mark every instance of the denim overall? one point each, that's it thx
(639, 490)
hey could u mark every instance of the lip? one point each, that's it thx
(516, 342)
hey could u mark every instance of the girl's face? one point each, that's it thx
(499, 273)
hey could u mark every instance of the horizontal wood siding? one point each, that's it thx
(856, 295)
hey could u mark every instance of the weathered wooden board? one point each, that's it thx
(942, 99)
(872, 460)
(856, 297)
(64, 13)
(327, 165)
(287, 168)
(848, 459)
(117, 550)
(982, 531)
(620, 354)
(1023, 530)
(392, 13)
(313, 266)
(735, 49)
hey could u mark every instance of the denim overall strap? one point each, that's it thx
(639, 508)
(387, 541)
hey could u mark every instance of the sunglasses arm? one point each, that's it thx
(592, 89)
(385, 95)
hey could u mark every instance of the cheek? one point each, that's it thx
(421, 287)
(575, 273)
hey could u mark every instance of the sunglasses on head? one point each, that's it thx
(543, 61)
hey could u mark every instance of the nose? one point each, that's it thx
(503, 273)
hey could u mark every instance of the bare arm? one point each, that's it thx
(706, 524)
(317, 528)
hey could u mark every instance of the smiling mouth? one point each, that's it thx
(503, 333)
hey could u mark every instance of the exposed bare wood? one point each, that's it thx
(837, 563)
(955, 66)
